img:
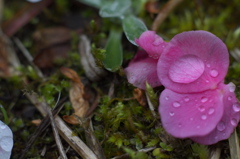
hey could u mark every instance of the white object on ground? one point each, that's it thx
(6, 141)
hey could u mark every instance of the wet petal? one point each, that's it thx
(142, 68)
(229, 120)
(193, 61)
(151, 43)
(187, 115)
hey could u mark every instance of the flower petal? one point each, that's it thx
(151, 43)
(187, 115)
(193, 61)
(229, 120)
(142, 69)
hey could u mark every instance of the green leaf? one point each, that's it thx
(133, 27)
(93, 3)
(114, 53)
(116, 8)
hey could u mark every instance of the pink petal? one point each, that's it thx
(229, 120)
(142, 69)
(187, 115)
(193, 61)
(151, 43)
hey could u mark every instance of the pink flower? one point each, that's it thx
(195, 104)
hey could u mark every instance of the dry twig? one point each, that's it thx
(162, 15)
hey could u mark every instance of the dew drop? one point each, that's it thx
(229, 98)
(155, 56)
(198, 127)
(214, 73)
(176, 104)
(191, 119)
(207, 81)
(208, 65)
(232, 88)
(204, 117)
(236, 107)
(221, 126)
(201, 108)
(186, 99)
(204, 99)
(234, 122)
(211, 111)
(171, 113)
(166, 98)
(157, 41)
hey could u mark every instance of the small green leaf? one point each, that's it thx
(133, 27)
(153, 97)
(114, 53)
(116, 8)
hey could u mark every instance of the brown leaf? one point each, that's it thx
(47, 57)
(76, 93)
(36, 122)
(139, 95)
(49, 37)
(70, 119)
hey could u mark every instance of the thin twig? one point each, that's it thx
(55, 133)
(42, 127)
(28, 56)
(164, 12)
(74, 141)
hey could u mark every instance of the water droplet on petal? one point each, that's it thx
(204, 117)
(234, 122)
(232, 88)
(176, 104)
(191, 119)
(204, 99)
(211, 111)
(208, 65)
(207, 81)
(221, 126)
(157, 41)
(155, 56)
(229, 98)
(179, 125)
(214, 73)
(198, 127)
(166, 97)
(186, 99)
(171, 113)
(201, 108)
(236, 107)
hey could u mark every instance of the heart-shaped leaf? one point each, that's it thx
(133, 27)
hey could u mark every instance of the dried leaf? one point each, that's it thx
(70, 119)
(8, 59)
(92, 71)
(36, 122)
(52, 36)
(139, 95)
(76, 93)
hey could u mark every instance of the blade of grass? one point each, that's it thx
(234, 146)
